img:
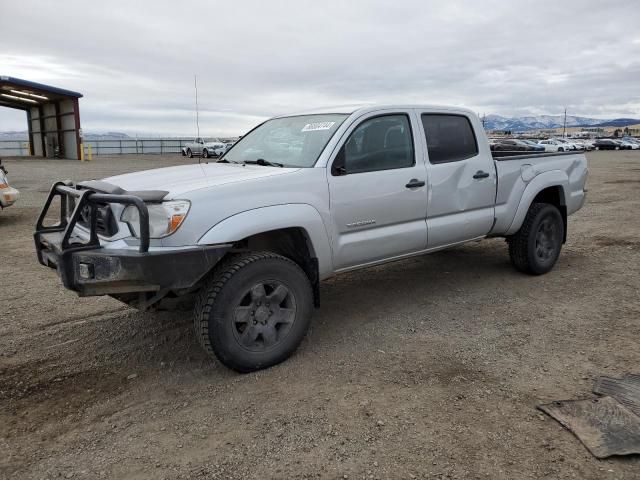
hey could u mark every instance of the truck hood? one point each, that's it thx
(186, 178)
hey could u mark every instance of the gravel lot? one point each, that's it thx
(425, 368)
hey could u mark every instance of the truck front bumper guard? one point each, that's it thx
(89, 269)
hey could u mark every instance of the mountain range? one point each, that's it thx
(518, 124)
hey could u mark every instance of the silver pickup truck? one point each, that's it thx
(298, 199)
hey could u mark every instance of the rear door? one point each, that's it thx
(377, 191)
(462, 179)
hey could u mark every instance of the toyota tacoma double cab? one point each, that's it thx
(299, 199)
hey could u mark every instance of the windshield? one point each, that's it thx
(291, 141)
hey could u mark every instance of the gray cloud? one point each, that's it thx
(135, 61)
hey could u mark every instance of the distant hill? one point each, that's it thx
(24, 135)
(519, 124)
(618, 122)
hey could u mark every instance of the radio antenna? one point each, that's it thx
(195, 84)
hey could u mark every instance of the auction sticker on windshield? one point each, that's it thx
(312, 127)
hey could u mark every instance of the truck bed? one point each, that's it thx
(523, 174)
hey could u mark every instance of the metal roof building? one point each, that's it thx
(53, 116)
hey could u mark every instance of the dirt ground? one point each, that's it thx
(426, 368)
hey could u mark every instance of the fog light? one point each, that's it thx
(86, 270)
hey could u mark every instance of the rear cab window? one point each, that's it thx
(450, 137)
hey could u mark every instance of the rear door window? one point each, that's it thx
(450, 138)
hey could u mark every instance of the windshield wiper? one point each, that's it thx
(264, 163)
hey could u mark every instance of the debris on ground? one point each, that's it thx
(607, 425)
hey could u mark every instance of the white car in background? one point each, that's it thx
(633, 140)
(581, 144)
(553, 145)
(204, 148)
(8, 194)
(570, 145)
(629, 144)
(588, 144)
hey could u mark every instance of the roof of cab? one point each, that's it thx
(366, 108)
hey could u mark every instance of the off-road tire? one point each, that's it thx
(523, 246)
(214, 317)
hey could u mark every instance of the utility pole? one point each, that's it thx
(195, 84)
(564, 128)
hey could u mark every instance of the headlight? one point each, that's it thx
(164, 218)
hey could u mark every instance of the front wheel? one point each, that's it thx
(189, 153)
(535, 248)
(205, 153)
(254, 311)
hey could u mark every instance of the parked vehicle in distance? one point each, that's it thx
(628, 145)
(553, 145)
(534, 146)
(568, 145)
(622, 145)
(206, 149)
(633, 141)
(511, 145)
(584, 144)
(300, 199)
(606, 144)
(8, 194)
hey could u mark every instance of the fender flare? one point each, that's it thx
(276, 217)
(552, 178)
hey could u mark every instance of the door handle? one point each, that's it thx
(480, 174)
(415, 183)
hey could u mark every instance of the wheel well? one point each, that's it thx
(554, 196)
(293, 243)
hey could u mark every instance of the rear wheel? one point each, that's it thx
(561, 149)
(254, 311)
(535, 248)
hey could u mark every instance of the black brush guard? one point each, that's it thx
(92, 200)
(86, 267)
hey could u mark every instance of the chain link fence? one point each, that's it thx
(159, 146)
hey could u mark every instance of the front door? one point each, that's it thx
(378, 194)
(462, 180)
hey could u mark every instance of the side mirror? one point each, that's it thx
(338, 168)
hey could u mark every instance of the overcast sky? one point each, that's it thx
(134, 61)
